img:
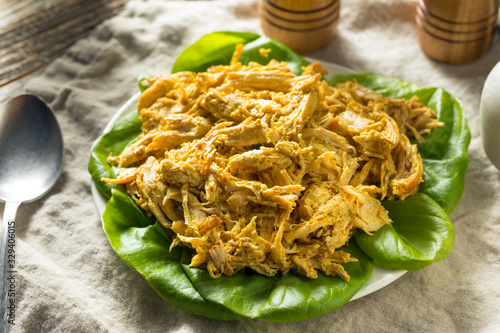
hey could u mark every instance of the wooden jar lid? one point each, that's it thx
(456, 31)
(304, 26)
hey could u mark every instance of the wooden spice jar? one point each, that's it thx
(456, 31)
(302, 25)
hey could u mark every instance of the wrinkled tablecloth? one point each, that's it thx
(70, 280)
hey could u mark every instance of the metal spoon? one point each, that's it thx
(31, 154)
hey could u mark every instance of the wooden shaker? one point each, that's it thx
(456, 31)
(302, 25)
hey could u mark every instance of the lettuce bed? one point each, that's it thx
(420, 235)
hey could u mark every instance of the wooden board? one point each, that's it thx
(35, 32)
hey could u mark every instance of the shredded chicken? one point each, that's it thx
(255, 167)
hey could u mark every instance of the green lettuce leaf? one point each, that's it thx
(122, 133)
(283, 297)
(143, 244)
(195, 57)
(421, 233)
(217, 49)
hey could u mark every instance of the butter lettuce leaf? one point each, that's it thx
(421, 233)
(122, 133)
(143, 244)
(217, 49)
(282, 298)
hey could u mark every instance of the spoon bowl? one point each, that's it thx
(31, 154)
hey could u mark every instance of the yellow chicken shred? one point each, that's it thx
(254, 167)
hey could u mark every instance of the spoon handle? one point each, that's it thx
(7, 263)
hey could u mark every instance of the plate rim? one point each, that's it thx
(380, 277)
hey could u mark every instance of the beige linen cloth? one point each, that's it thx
(70, 280)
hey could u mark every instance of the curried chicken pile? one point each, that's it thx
(255, 167)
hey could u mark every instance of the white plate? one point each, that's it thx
(380, 277)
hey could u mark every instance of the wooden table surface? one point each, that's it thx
(35, 32)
